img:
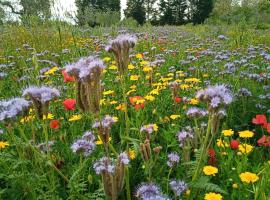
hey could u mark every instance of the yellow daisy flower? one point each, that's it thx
(248, 177)
(75, 118)
(3, 144)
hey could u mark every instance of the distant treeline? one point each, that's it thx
(156, 12)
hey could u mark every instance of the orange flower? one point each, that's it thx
(67, 77)
(137, 102)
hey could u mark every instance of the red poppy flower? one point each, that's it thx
(67, 77)
(69, 104)
(177, 99)
(234, 144)
(54, 124)
(264, 141)
(260, 120)
(137, 102)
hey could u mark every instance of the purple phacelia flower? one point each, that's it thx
(147, 190)
(122, 41)
(173, 159)
(9, 109)
(106, 122)
(89, 136)
(183, 135)
(41, 94)
(195, 112)
(86, 68)
(216, 96)
(104, 164)
(178, 187)
(83, 147)
(150, 128)
(123, 158)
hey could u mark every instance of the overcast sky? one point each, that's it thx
(69, 5)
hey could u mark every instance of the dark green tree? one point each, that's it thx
(136, 10)
(150, 9)
(179, 11)
(166, 12)
(201, 10)
(173, 11)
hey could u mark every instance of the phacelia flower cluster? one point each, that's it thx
(88, 72)
(41, 96)
(173, 159)
(84, 145)
(120, 47)
(216, 96)
(86, 68)
(149, 191)
(195, 112)
(183, 135)
(113, 173)
(178, 187)
(9, 109)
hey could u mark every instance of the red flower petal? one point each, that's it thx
(67, 77)
(54, 124)
(260, 120)
(177, 99)
(234, 144)
(264, 141)
(69, 104)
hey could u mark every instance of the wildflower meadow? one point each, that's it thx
(148, 113)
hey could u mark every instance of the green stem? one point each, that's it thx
(126, 134)
(168, 180)
(127, 184)
(203, 152)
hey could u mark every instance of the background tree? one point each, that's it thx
(179, 11)
(38, 8)
(166, 13)
(201, 10)
(136, 10)
(150, 9)
(173, 12)
(89, 10)
(2, 16)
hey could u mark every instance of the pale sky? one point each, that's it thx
(69, 5)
